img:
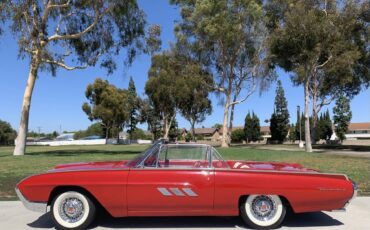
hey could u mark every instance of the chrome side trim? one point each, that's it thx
(33, 206)
(281, 172)
(164, 192)
(189, 192)
(177, 191)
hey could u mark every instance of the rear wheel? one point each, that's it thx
(262, 211)
(72, 210)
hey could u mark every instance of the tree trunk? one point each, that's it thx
(118, 136)
(20, 141)
(314, 117)
(314, 108)
(232, 116)
(306, 116)
(106, 135)
(193, 129)
(167, 126)
(225, 136)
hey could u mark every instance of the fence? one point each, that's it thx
(88, 142)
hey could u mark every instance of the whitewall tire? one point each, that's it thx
(72, 210)
(262, 211)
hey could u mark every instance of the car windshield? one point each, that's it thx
(161, 155)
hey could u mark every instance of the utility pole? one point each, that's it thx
(39, 129)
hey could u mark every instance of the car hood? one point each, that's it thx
(269, 166)
(84, 166)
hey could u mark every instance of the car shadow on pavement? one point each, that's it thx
(43, 221)
(317, 219)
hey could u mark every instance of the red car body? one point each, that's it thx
(205, 188)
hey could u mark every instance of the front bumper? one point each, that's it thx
(33, 206)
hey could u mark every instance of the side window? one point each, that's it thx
(184, 156)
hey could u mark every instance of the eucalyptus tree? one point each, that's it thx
(70, 35)
(231, 35)
(107, 105)
(151, 116)
(194, 103)
(324, 44)
(163, 87)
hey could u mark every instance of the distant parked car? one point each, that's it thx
(183, 180)
(65, 137)
(91, 138)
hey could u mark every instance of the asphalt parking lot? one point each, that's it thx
(14, 216)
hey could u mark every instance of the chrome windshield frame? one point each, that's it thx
(157, 146)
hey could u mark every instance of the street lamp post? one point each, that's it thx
(300, 126)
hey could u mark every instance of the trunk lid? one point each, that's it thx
(269, 166)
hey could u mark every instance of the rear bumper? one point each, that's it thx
(354, 195)
(33, 206)
(355, 190)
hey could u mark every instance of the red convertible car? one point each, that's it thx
(183, 180)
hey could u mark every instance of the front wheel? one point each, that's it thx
(262, 211)
(72, 210)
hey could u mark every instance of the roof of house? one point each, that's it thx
(211, 131)
(233, 129)
(359, 126)
(203, 131)
(265, 128)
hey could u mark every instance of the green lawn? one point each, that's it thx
(39, 159)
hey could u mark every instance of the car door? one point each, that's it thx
(169, 184)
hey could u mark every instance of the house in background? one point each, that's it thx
(265, 132)
(358, 131)
(208, 134)
(215, 135)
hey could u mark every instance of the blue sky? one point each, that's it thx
(57, 100)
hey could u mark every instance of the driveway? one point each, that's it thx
(14, 216)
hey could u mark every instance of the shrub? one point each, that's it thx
(237, 136)
(7, 133)
(188, 137)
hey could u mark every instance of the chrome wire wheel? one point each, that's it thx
(263, 208)
(263, 211)
(72, 210)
